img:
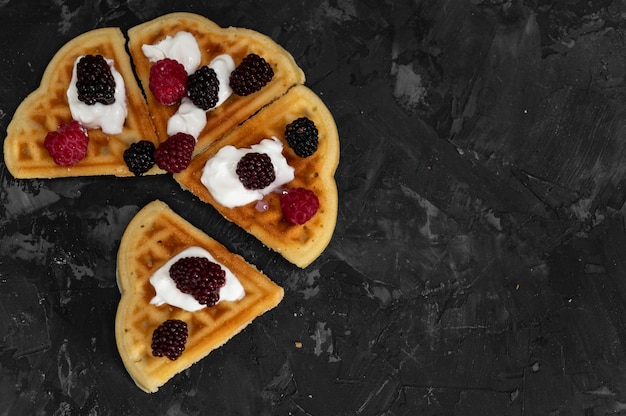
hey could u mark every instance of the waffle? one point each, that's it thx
(46, 108)
(214, 40)
(300, 244)
(155, 235)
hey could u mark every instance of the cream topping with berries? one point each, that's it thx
(191, 119)
(181, 47)
(108, 117)
(220, 178)
(167, 292)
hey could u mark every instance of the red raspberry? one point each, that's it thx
(174, 154)
(68, 144)
(299, 205)
(168, 81)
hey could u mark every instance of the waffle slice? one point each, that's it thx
(212, 41)
(300, 244)
(46, 108)
(154, 236)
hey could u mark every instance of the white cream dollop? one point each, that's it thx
(191, 119)
(182, 47)
(220, 178)
(223, 65)
(108, 117)
(188, 118)
(167, 292)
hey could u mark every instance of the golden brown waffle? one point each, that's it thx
(155, 235)
(214, 40)
(46, 108)
(300, 244)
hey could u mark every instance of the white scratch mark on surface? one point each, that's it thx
(64, 371)
(323, 338)
(431, 210)
(409, 89)
(601, 391)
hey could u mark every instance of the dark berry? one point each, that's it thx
(301, 136)
(174, 154)
(94, 80)
(202, 87)
(299, 205)
(252, 74)
(168, 81)
(199, 277)
(68, 144)
(169, 339)
(139, 157)
(255, 170)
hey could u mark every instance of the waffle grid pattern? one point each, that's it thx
(299, 244)
(46, 108)
(155, 235)
(213, 41)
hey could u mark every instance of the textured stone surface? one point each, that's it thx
(478, 264)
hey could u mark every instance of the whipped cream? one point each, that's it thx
(167, 292)
(223, 65)
(108, 117)
(220, 178)
(182, 47)
(191, 119)
(188, 119)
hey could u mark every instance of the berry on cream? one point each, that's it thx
(184, 48)
(167, 292)
(108, 117)
(191, 119)
(221, 180)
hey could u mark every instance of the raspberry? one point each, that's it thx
(94, 80)
(139, 157)
(301, 136)
(68, 144)
(203, 87)
(174, 154)
(168, 81)
(250, 75)
(255, 170)
(199, 277)
(169, 339)
(299, 205)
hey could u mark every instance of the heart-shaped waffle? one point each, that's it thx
(300, 244)
(154, 236)
(47, 107)
(213, 41)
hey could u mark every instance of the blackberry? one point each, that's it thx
(250, 75)
(199, 277)
(139, 157)
(202, 87)
(169, 339)
(255, 170)
(94, 80)
(301, 136)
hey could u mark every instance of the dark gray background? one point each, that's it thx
(478, 265)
